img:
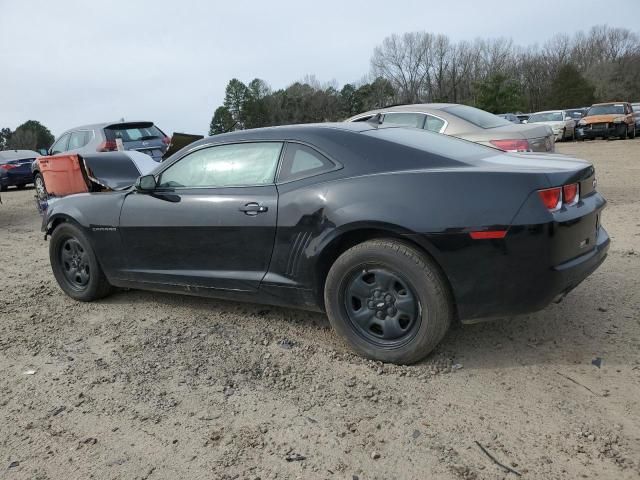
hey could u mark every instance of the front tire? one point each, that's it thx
(75, 265)
(41, 189)
(388, 300)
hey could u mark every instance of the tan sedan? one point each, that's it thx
(465, 122)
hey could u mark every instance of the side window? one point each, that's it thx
(239, 164)
(415, 120)
(61, 145)
(78, 139)
(433, 124)
(301, 161)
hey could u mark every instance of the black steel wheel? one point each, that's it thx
(75, 265)
(381, 306)
(388, 300)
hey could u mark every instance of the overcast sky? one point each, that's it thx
(73, 62)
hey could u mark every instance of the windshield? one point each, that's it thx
(546, 117)
(611, 109)
(635, 107)
(478, 117)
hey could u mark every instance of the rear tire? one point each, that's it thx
(4, 188)
(75, 265)
(388, 300)
(633, 133)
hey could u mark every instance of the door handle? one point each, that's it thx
(253, 208)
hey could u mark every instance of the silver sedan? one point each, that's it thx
(465, 122)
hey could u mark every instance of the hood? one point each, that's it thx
(111, 170)
(552, 124)
(602, 118)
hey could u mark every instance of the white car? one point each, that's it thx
(562, 124)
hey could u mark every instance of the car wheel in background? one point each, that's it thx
(388, 300)
(4, 188)
(41, 189)
(633, 132)
(625, 134)
(75, 266)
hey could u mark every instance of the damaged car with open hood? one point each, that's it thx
(102, 157)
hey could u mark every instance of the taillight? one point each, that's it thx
(516, 145)
(7, 166)
(551, 197)
(554, 198)
(108, 146)
(166, 140)
(570, 194)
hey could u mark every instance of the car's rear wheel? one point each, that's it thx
(633, 133)
(75, 265)
(388, 300)
(41, 189)
(4, 188)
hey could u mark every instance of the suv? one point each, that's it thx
(143, 137)
(606, 120)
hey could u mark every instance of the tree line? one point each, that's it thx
(602, 64)
(31, 135)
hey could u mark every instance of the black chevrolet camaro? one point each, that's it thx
(394, 232)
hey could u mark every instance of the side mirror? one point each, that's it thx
(146, 183)
(43, 151)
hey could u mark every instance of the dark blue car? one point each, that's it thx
(15, 168)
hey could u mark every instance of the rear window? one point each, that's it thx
(477, 117)
(434, 143)
(613, 109)
(134, 132)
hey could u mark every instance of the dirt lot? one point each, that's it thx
(146, 385)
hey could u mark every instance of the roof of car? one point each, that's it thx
(284, 132)
(95, 126)
(606, 103)
(549, 111)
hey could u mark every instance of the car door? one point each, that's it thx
(211, 221)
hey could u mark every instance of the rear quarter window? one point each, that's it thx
(301, 161)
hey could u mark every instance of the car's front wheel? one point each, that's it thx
(75, 265)
(388, 300)
(41, 189)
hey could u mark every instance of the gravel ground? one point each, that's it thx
(146, 385)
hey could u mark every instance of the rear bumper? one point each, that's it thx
(528, 269)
